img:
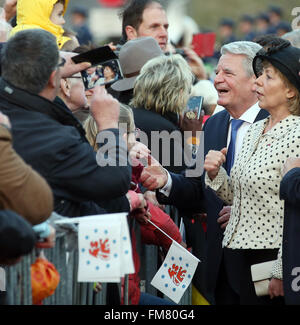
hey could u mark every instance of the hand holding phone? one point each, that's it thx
(194, 107)
(105, 67)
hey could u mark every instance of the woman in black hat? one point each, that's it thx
(255, 229)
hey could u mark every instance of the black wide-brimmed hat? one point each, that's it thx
(284, 57)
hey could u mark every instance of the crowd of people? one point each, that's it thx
(248, 27)
(80, 151)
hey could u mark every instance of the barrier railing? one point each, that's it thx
(69, 292)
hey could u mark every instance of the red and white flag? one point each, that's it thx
(176, 272)
(104, 248)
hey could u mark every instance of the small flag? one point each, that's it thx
(176, 272)
(104, 247)
(99, 251)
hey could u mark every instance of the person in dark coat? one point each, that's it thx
(17, 239)
(290, 193)
(79, 16)
(160, 97)
(49, 138)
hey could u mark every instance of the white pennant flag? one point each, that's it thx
(104, 248)
(99, 251)
(176, 272)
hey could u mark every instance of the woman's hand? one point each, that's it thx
(138, 207)
(213, 161)
(276, 288)
(290, 164)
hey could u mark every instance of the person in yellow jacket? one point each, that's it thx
(44, 14)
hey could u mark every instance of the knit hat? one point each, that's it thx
(284, 57)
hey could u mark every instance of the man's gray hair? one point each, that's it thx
(29, 58)
(248, 49)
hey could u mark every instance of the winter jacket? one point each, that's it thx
(22, 189)
(49, 138)
(32, 14)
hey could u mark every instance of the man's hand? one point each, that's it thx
(105, 109)
(213, 161)
(5, 120)
(224, 217)
(196, 63)
(70, 67)
(154, 176)
(290, 164)
(193, 125)
(276, 288)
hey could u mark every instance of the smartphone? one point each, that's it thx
(105, 67)
(204, 44)
(195, 105)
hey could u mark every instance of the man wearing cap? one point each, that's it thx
(226, 30)
(246, 27)
(78, 18)
(133, 56)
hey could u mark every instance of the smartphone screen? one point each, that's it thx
(105, 69)
(195, 105)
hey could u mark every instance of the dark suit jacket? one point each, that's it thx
(190, 195)
(290, 192)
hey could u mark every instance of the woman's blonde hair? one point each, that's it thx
(164, 85)
(91, 131)
(125, 119)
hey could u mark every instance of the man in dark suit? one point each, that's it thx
(290, 192)
(235, 85)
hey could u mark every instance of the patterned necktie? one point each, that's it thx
(235, 125)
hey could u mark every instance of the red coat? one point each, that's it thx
(151, 236)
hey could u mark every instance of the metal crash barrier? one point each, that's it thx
(64, 256)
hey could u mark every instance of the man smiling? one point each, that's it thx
(235, 85)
